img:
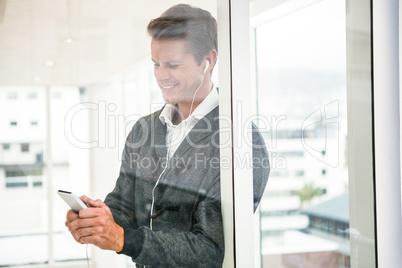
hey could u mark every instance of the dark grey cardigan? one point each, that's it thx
(186, 222)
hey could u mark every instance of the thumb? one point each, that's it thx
(86, 200)
(95, 203)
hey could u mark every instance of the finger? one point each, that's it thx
(96, 203)
(71, 215)
(86, 223)
(92, 212)
(79, 235)
(86, 199)
(89, 235)
(91, 239)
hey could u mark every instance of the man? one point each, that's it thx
(167, 212)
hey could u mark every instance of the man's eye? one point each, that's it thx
(156, 65)
(172, 66)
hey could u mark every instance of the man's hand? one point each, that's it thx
(95, 225)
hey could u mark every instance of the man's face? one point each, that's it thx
(176, 71)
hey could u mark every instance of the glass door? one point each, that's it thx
(313, 100)
(301, 78)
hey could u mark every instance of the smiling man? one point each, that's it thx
(167, 212)
(183, 80)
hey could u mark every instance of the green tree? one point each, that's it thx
(308, 192)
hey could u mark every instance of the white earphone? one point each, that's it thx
(206, 67)
(167, 156)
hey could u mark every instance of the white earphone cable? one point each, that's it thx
(195, 93)
(167, 156)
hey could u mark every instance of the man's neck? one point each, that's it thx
(186, 108)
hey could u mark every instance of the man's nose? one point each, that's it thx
(162, 73)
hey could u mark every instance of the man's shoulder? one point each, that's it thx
(150, 117)
(213, 115)
(147, 121)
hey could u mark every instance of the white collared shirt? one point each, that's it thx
(176, 133)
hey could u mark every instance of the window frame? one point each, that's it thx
(375, 207)
(237, 192)
(386, 131)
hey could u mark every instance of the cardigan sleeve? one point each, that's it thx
(200, 247)
(261, 166)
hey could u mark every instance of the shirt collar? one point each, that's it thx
(207, 105)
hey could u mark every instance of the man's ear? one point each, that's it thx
(211, 57)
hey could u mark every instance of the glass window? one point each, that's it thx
(22, 176)
(24, 147)
(32, 95)
(12, 95)
(301, 77)
(76, 134)
(16, 183)
(57, 95)
(69, 166)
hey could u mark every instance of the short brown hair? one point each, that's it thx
(194, 24)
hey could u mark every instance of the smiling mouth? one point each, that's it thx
(168, 86)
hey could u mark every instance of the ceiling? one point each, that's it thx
(75, 42)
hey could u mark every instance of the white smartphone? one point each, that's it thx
(72, 200)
